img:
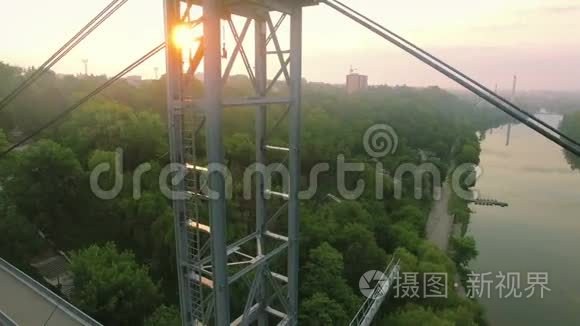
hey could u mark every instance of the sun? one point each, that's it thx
(184, 36)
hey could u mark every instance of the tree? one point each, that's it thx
(98, 125)
(143, 138)
(361, 252)
(318, 225)
(3, 141)
(340, 241)
(351, 212)
(468, 154)
(464, 250)
(19, 241)
(111, 286)
(163, 251)
(414, 315)
(106, 180)
(164, 316)
(3, 162)
(320, 310)
(412, 215)
(570, 126)
(107, 126)
(323, 274)
(240, 148)
(46, 187)
(404, 234)
(139, 216)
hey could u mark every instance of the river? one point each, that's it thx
(538, 232)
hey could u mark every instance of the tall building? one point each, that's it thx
(356, 82)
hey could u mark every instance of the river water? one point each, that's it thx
(538, 232)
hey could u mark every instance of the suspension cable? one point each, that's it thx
(490, 96)
(64, 50)
(84, 99)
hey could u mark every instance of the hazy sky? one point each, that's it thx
(489, 39)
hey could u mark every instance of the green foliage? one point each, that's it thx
(139, 219)
(412, 215)
(111, 286)
(465, 313)
(107, 179)
(468, 154)
(3, 141)
(144, 138)
(339, 241)
(413, 315)
(4, 164)
(323, 275)
(45, 185)
(320, 310)
(459, 208)
(19, 241)
(39, 102)
(464, 250)
(107, 126)
(164, 316)
(405, 235)
(240, 148)
(361, 252)
(318, 225)
(570, 126)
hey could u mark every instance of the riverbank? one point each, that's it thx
(441, 227)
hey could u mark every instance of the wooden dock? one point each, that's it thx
(489, 202)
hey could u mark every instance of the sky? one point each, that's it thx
(490, 40)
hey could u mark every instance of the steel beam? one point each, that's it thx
(259, 261)
(212, 271)
(237, 49)
(215, 153)
(174, 93)
(261, 80)
(278, 51)
(294, 162)
(243, 101)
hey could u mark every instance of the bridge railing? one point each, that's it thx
(372, 304)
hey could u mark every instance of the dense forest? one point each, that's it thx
(570, 126)
(122, 250)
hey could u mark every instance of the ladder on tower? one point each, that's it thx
(198, 230)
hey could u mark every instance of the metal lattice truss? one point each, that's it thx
(210, 265)
(368, 310)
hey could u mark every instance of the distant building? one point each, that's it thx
(356, 82)
(134, 80)
(64, 76)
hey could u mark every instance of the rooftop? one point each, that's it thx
(23, 301)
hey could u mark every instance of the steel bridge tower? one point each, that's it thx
(210, 263)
